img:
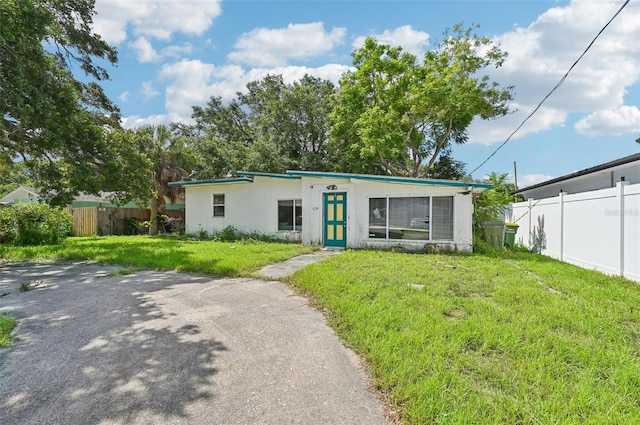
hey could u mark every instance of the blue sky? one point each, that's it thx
(176, 54)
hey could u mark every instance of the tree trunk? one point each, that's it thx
(439, 145)
(153, 228)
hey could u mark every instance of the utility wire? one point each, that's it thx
(553, 89)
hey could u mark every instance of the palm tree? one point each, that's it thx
(167, 153)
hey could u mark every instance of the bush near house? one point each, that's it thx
(34, 224)
(490, 204)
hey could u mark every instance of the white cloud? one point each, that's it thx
(136, 121)
(621, 120)
(146, 53)
(531, 179)
(124, 96)
(144, 50)
(275, 47)
(148, 91)
(540, 54)
(193, 82)
(190, 85)
(488, 132)
(176, 51)
(153, 19)
(406, 37)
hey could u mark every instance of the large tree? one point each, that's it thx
(396, 115)
(52, 121)
(271, 127)
(12, 176)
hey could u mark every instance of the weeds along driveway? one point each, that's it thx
(164, 347)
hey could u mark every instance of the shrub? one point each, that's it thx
(7, 226)
(34, 224)
(491, 204)
(228, 234)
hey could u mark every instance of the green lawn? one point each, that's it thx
(451, 339)
(456, 339)
(7, 323)
(207, 257)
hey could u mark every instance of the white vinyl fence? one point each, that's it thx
(596, 230)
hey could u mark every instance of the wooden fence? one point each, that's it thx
(88, 221)
(85, 221)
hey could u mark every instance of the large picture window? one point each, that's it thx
(417, 218)
(218, 205)
(290, 215)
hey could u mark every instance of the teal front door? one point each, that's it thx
(335, 219)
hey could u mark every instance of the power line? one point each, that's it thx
(564, 77)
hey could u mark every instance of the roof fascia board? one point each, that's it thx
(272, 175)
(390, 179)
(212, 182)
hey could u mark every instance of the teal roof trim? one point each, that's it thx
(214, 181)
(389, 179)
(273, 175)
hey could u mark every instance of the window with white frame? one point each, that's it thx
(290, 214)
(417, 218)
(218, 204)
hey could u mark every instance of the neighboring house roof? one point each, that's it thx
(605, 171)
(22, 193)
(29, 194)
(247, 177)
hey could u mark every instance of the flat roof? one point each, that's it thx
(247, 177)
(389, 179)
(272, 175)
(214, 181)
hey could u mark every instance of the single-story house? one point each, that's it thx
(336, 209)
(603, 176)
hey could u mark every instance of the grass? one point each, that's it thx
(477, 339)
(500, 338)
(7, 323)
(239, 258)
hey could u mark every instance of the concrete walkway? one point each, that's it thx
(172, 348)
(286, 268)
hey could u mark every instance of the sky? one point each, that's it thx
(174, 54)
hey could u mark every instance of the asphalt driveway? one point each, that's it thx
(171, 348)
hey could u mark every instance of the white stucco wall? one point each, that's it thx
(253, 207)
(358, 194)
(249, 207)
